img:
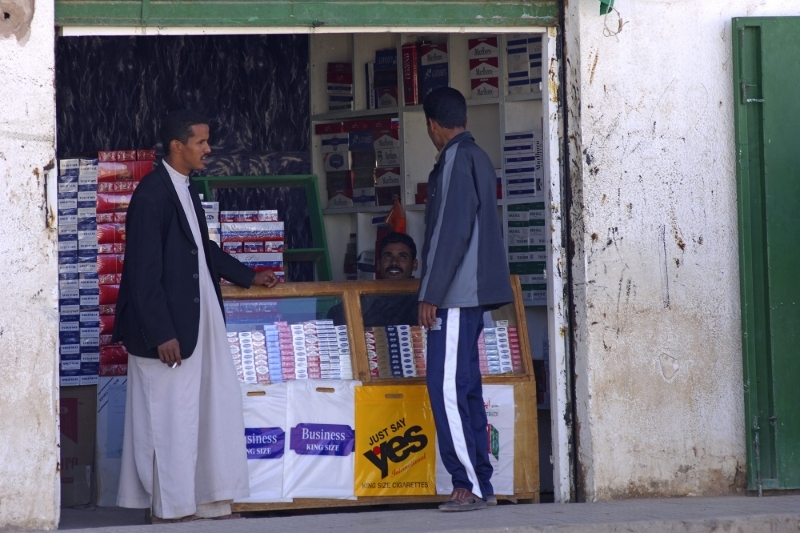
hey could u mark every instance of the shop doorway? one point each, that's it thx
(504, 114)
(767, 112)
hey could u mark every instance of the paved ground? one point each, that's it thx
(741, 514)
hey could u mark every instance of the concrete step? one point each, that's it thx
(774, 514)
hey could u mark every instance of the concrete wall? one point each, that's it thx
(29, 455)
(659, 371)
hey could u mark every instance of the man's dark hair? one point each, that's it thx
(446, 106)
(393, 237)
(178, 126)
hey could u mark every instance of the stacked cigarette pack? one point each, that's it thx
(484, 67)
(522, 158)
(256, 238)
(524, 60)
(340, 86)
(361, 159)
(249, 351)
(118, 174)
(498, 349)
(527, 254)
(396, 351)
(77, 272)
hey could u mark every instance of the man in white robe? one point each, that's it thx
(184, 454)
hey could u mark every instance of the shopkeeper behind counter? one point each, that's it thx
(397, 260)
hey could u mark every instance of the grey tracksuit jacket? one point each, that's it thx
(464, 262)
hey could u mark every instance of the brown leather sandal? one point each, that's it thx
(463, 500)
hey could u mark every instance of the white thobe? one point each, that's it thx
(184, 448)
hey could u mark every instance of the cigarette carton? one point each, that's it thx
(386, 59)
(252, 231)
(364, 197)
(336, 161)
(371, 124)
(334, 142)
(383, 139)
(339, 180)
(386, 195)
(360, 141)
(487, 67)
(329, 127)
(410, 54)
(387, 177)
(482, 47)
(343, 198)
(485, 88)
(389, 157)
(386, 97)
(362, 178)
(365, 159)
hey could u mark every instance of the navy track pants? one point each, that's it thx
(454, 387)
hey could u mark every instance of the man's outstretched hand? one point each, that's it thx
(266, 278)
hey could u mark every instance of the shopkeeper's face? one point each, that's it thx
(193, 154)
(396, 262)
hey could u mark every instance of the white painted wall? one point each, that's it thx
(29, 482)
(659, 370)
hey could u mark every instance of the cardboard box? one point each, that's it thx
(111, 393)
(77, 416)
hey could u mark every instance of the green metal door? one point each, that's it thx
(767, 115)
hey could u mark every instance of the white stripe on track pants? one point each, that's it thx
(454, 387)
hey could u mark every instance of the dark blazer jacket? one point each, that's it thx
(159, 296)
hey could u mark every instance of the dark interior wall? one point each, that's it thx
(112, 91)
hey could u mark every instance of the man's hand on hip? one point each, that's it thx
(426, 315)
(265, 277)
(170, 352)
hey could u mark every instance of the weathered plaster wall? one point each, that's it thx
(28, 319)
(659, 372)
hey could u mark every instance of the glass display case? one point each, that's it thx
(367, 331)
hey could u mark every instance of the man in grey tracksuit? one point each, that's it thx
(464, 274)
